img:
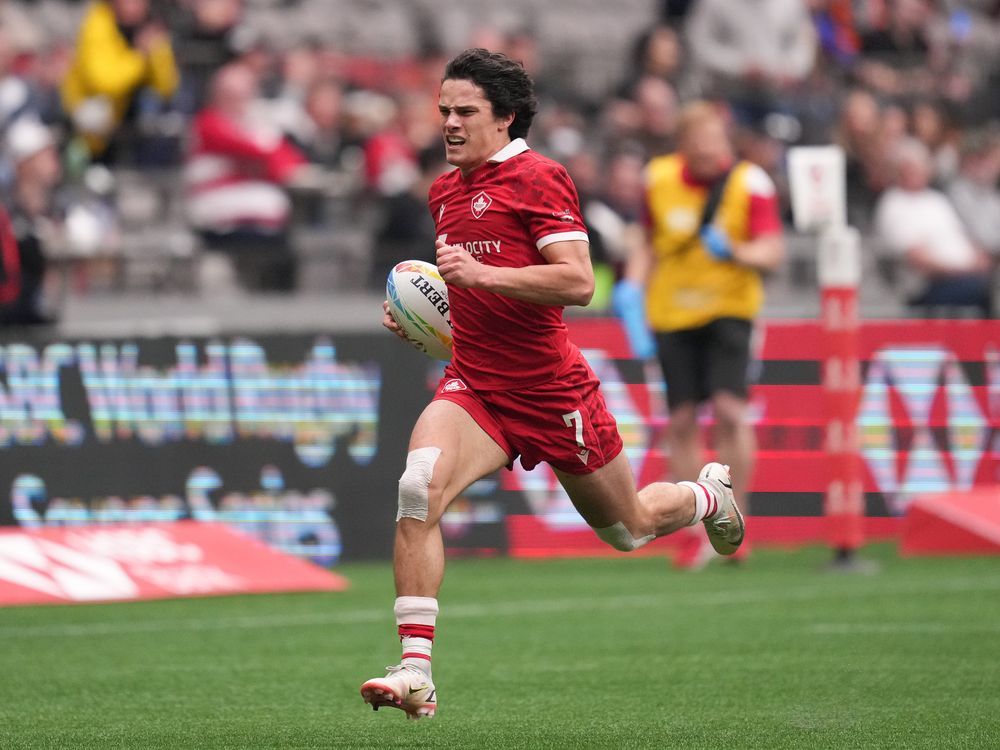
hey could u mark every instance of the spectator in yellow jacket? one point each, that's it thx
(121, 49)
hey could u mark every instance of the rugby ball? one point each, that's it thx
(418, 302)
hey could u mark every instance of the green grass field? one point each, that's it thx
(623, 653)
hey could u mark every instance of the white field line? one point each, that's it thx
(899, 628)
(515, 608)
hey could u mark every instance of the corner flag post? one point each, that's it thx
(819, 206)
(839, 276)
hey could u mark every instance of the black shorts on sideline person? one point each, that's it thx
(700, 362)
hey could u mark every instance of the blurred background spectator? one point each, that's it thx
(754, 54)
(404, 229)
(319, 129)
(15, 91)
(858, 131)
(208, 34)
(123, 62)
(903, 56)
(237, 166)
(657, 52)
(918, 224)
(931, 125)
(31, 150)
(975, 190)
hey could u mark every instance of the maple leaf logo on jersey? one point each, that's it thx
(480, 204)
(453, 385)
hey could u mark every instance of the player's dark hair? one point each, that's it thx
(504, 82)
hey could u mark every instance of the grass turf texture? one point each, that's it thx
(622, 653)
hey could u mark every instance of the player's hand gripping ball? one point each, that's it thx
(418, 302)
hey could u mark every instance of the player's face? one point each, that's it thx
(472, 134)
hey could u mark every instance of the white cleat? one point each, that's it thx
(405, 687)
(726, 528)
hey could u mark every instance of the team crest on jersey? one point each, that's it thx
(453, 385)
(480, 204)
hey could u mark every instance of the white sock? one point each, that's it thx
(706, 504)
(415, 619)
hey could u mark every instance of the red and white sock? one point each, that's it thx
(706, 504)
(416, 616)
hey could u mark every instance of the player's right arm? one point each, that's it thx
(566, 278)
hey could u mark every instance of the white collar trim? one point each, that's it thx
(515, 147)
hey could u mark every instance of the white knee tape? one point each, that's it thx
(621, 538)
(415, 481)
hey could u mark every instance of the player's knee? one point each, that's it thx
(415, 482)
(621, 538)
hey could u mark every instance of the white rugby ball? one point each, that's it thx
(418, 302)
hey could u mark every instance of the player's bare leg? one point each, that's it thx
(448, 452)
(608, 496)
(627, 519)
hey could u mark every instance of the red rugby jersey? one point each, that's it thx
(504, 213)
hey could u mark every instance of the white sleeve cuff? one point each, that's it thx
(561, 237)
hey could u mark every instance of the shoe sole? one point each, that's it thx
(378, 693)
(725, 547)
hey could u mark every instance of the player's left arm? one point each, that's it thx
(567, 277)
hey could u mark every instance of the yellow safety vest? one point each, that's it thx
(689, 288)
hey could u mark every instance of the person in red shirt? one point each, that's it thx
(237, 171)
(513, 249)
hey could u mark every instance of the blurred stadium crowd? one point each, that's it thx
(280, 145)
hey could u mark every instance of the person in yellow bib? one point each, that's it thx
(121, 48)
(713, 227)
